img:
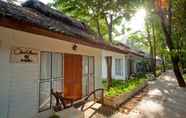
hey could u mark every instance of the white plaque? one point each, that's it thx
(24, 55)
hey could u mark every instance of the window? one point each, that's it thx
(88, 75)
(51, 77)
(118, 67)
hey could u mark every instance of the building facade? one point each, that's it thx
(39, 53)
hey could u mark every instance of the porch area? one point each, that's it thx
(85, 107)
(164, 99)
(70, 88)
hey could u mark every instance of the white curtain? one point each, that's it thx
(45, 63)
(51, 77)
(88, 75)
(57, 71)
(45, 75)
(85, 76)
(119, 67)
(91, 74)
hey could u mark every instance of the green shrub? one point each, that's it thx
(121, 86)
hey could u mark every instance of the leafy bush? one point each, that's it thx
(121, 86)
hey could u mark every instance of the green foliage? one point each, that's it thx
(139, 41)
(152, 40)
(95, 13)
(179, 29)
(120, 86)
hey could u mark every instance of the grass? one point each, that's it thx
(120, 86)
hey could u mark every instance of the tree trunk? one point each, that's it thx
(109, 58)
(98, 28)
(168, 32)
(163, 62)
(177, 72)
(110, 27)
(109, 71)
(175, 60)
(150, 45)
(152, 59)
(154, 50)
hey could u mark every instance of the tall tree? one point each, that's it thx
(101, 15)
(164, 10)
(179, 29)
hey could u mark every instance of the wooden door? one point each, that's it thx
(72, 76)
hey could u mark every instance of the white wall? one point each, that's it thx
(23, 90)
(4, 78)
(114, 56)
(19, 88)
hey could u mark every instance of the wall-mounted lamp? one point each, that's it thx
(74, 47)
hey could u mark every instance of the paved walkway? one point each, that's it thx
(164, 100)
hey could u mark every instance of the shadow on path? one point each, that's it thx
(164, 99)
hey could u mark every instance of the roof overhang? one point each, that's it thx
(31, 28)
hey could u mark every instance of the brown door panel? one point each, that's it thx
(73, 76)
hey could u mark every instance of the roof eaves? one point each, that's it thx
(18, 16)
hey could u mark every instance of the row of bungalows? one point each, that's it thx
(42, 49)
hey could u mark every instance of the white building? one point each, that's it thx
(39, 53)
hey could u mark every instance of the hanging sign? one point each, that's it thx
(24, 55)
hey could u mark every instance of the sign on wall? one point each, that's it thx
(24, 55)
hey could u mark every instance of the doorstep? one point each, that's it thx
(71, 113)
(66, 113)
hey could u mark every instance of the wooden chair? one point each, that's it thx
(61, 102)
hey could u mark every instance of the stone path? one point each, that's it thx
(164, 99)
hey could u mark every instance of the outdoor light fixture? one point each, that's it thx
(74, 47)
